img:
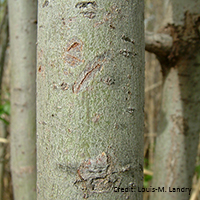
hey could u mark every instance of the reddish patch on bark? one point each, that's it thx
(73, 52)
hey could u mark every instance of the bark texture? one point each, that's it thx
(179, 128)
(90, 80)
(22, 21)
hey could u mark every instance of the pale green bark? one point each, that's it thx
(90, 99)
(177, 139)
(178, 131)
(22, 21)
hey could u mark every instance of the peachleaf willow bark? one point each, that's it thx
(90, 99)
(22, 23)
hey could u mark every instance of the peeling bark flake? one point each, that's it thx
(99, 175)
(87, 8)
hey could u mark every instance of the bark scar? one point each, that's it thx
(87, 8)
(85, 4)
(99, 175)
(127, 39)
(73, 52)
(90, 71)
(45, 4)
(74, 45)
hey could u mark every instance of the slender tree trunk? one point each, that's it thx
(90, 102)
(22, 21)
(178, 131)
(3, 41)
(179, 127)
(3, 47)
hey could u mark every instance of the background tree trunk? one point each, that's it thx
(22, 21)
(3, 40)
(179, 128)
(153, 81)
(3, 47)
(90, 99)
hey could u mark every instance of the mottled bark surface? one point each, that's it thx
(90, 99)
(178, 131)
(22, 22)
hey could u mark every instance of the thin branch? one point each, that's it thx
(148, 172)
(158, 43)
(153, 86)
(3, 140)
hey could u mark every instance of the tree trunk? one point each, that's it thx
(179, 128)
(3, 40)
(22, 21)
(3, 47)
(90, 99)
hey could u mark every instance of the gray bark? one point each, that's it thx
(177, 140)
(179, 128)
(22, 21)
(90, 99)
